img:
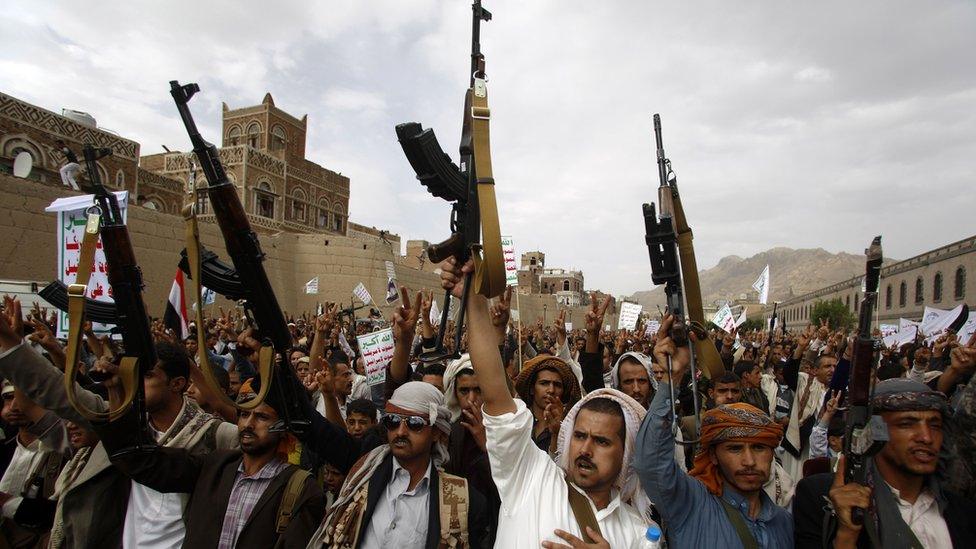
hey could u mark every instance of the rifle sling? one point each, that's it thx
(265, 355)
(741, 530)
(582, 512)
(489, 274)
(128, 373)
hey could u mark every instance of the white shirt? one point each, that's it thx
(23, 462)
(533, 491)
(925, 519)
(401, 517)
(154, 520)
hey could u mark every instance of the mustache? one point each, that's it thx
(247, 432)
(584, 461)
(401, 439)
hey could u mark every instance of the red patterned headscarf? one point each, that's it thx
(741, 422)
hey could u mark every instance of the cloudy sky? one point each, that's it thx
(801, 124)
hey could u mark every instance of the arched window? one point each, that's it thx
(234, 136)
(254, 135)
(847, 299)
(264, 200)
(322, 217)
(888, 297)
(937, 288)
(959, 285)
(565, 285)
(120, 179)
(278, 138)
(919, 291)
(298, 205)
(902, 294)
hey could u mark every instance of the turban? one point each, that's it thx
(417, 398)
(627, 482)
(526, 379)
(904, 395)
(450, 378)
(741, 422)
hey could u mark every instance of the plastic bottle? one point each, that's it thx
(652, 538)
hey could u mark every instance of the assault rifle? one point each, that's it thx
(866, 432)
(710, 363)
(662, 247)
(769, 338)
(250, 281)
(470, 189)
(125, 278)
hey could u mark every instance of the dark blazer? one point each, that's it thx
(477, 508)
(809, 513)
(209, 479)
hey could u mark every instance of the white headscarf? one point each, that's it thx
(627, 482)
(450, 378)
(644, 360)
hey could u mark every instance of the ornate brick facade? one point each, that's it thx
(264, 155)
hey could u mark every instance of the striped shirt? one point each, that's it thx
(243, 497)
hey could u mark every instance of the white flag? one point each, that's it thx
(935, 321)
(761, 285)
(362, 293)
(312, 286)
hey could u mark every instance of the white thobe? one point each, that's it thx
(924, 519)
(533, 491)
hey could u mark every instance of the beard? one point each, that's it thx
(253, 446)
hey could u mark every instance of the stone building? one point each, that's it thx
(36, 131)
(301, 207)
(263, 154)
(939, 278)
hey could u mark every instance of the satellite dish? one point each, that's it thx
(23, 164)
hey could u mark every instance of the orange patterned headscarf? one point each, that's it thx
(740, 421)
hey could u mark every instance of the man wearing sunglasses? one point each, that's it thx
(397, 494)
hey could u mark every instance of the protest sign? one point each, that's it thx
(629, 312)
(967, 329)
(569, 326)
(377, 350)
(72, 217)
(511, 265)
(935, 321)
(652, 327)
(742, 319)
(362, 293)
(391, 291)
(390, 270)
(723, 319)
(888, 329)
(312, 286)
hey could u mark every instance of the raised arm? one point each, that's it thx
(404, 328)
(666, 484)
(482, 342)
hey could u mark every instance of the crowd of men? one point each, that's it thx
(534, 437)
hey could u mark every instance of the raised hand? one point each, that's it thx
(452, 275)
(11, 324)
(501, 310)
(553, 415)
(473, 422)
(830, 408)
(559, 323)
(406, 315)
(665, 348)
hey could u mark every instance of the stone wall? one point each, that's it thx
(28, 251)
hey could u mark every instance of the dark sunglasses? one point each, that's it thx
(414, 423)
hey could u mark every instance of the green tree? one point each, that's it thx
(835, 312)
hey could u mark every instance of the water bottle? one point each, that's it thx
(652, 538)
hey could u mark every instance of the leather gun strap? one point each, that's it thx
(293, 490)
(582, 511)
(452, 504)
(76, 317)
(266, 354)
(489, 277)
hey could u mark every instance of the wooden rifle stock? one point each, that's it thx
(288, 395)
